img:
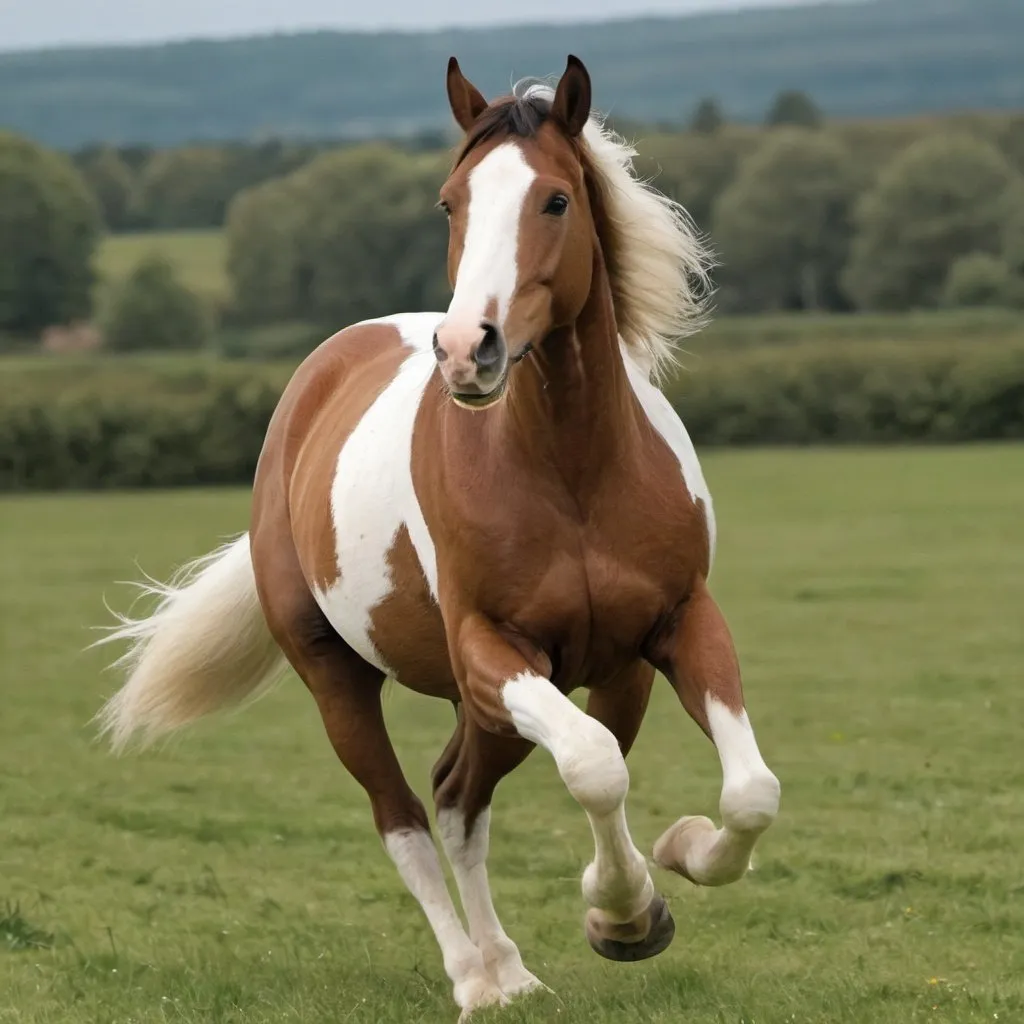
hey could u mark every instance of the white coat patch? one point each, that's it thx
(665, 421)
(372, 495)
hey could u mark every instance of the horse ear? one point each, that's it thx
(572, 97)
(466, 101)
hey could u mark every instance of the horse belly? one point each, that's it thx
(383, 602)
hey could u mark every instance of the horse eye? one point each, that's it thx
(557, 205)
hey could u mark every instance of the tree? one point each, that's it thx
(152, 310)
(978, 279)
(943, 197)
(355, 233)
(1012, 245)
(49, 225)
(693, 169)
(782, 228)
(371, 237)
(185, 188)
(264, 227)
(1012, 240)
(112, 182)
(707, 117)
(1011, 141)
(793, 107)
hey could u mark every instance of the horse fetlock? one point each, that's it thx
(752, 804)
(505, 965)
(622, 894)
(474, 987)
(476, 990)
(694, 848)
(466, 964)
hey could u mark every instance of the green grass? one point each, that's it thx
(200, 258)
(876, 599)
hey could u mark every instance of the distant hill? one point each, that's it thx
(883, 57)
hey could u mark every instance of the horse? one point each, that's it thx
(494, 506)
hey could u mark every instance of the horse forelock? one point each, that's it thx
(509, 117)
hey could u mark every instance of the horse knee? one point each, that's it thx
(751, 804)
(593, 768)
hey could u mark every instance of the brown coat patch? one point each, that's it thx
(407, 624)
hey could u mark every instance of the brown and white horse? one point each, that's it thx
(495, 506)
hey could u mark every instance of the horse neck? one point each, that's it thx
(571, 402)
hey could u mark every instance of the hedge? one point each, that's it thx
(865, 393)
(124, 423)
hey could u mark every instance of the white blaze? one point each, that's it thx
(488, 269)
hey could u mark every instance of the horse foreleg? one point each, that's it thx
(507, 695)
(699, 659)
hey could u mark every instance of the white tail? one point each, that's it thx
(205, 646)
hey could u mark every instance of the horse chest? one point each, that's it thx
(624, 582)
(595, 587)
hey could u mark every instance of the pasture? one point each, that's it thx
(876, 598)
(199, 256)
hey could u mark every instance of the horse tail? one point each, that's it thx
(205, 646)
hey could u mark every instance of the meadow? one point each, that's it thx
(234, 876)
(199, 257)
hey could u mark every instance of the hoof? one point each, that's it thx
(476, 994)
(617, 941)
(685, 836)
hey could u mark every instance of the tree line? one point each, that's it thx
(873, 58)
(803, 214)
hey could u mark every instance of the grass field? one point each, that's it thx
(876, 598)
(199, 257)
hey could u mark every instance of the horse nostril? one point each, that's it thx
(489, 351)
(439, 353)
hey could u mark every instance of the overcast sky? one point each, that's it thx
(37, 23)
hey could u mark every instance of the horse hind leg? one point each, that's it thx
(700, 661)
(464, 780)
(347, 691)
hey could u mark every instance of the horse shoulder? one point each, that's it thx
(355, 515)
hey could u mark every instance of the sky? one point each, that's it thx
(28, 24)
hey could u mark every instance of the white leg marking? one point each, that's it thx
(750, 792)
(748, 805)
(416, 858)
(594, 771)
(468, 857)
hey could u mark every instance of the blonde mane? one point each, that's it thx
(660, 282)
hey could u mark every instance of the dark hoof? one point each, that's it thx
(657, 939)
